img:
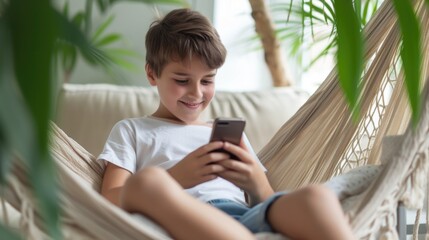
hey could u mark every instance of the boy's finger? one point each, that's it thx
(234, 165)
(243, 144)
(241, 153)
(232, 176)
(212, 169)
(213, 157)
(203, 150)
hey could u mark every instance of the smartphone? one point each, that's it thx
(228, 130)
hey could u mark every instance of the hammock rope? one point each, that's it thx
(318, 142)
(394, 184)
(321, 140)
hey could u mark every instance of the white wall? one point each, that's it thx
(244, 68)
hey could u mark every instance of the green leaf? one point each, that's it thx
(32, 59)
(109, 39)
(327, 16)
(328, 6)
(16, 126)
(289, 11)
(5, 156)
(319, 17)
(69, 56)
(302, 24)
(311, 19)
(5, 152)
(358, 9)
(66, 9)
(79, 19)
(102, 28)
(364, 14)
(123, 58)
(103, 5)
(8, 234)
(410, 53)
(88, 17)
(349, 54)
(124, 63)
(96, 56)
(72, 34)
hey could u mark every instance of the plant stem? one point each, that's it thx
(88, 15)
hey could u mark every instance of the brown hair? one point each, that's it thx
(180, 34)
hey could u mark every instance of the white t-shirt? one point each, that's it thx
(137, 143)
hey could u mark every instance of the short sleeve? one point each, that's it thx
(120, 146)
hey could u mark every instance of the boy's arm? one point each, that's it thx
(113, 180)
(264, 192)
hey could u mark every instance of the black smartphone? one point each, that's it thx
(228, 130)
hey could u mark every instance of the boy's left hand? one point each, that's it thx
(246, 173)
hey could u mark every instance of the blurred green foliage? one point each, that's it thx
(335, 26)
(34, 37)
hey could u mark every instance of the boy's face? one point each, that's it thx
(185, 89)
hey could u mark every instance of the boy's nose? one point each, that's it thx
(195, 91)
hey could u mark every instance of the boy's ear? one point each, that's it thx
(150, 74)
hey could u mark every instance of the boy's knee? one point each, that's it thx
(317, 191)
(145, 185)
(309, 196)
(150, 180)
(315, 195)
(150, 177)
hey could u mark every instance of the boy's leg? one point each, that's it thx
(154, 193)
(309, 213)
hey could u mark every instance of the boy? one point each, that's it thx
(151, 160)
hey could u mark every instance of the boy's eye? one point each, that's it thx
(206, 82)
(180, 81)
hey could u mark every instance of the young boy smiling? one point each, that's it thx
(162, 165)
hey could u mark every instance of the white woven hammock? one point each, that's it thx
(319, 142)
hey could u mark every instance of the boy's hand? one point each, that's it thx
(199, 166)
(246, 173)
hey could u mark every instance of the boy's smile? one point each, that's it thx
(192, 105)
(185, 89)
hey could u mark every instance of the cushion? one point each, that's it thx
(87, 112)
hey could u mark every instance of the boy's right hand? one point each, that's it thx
(199, 166)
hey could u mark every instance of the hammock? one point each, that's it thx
(319, 142)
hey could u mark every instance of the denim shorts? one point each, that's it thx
(254, 218)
